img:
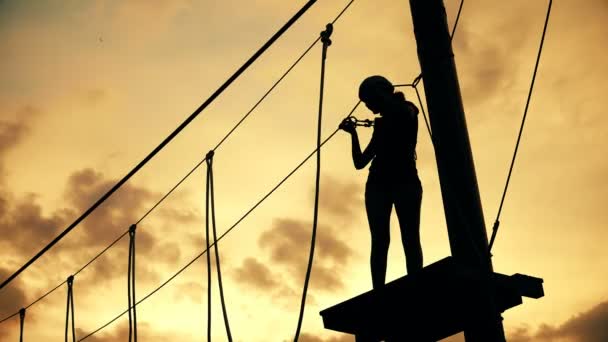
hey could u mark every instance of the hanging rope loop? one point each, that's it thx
(325, 35)
(132, 301)
(70, 309)
(325, 39)
(132, 229)
(21, 322)
(209, 162)
(210, 212)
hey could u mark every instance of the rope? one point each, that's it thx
(456, 21)
(165, 141)
(280, 79)
(191, 171)
(414, 85)
(131, 285)
(418, 78)
(325, 38)
(207, 248)
(113, 243)
(21, 322)
(210, 206)
(521, 129)
(273, 190)
(70, 309)
(9, 317)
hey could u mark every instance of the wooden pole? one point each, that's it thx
(463, 211)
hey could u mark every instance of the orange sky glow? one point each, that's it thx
(89, 88)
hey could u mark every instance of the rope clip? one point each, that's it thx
(325, 35)
(132, 229)
(363, 123)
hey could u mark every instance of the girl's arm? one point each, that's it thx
(361, 159)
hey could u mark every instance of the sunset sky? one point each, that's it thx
(89, 88)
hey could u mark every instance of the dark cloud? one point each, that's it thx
(145, 332)
(256, 275)
(29, 227)
(484, 64)
(12, 297)
(13, 132)
(288, 242)
(340, 199)
(22, 220)
(306, 337)
(589, 326)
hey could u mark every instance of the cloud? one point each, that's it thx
(145, 332)
(589, 326)
(288, 242)
(22, 220)
(340, 199)
(12, 297)
(12, 132)
(29, 227)
(256, 275)
(306, 337)
(485, 65)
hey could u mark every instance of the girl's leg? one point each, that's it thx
(408, 199)
(378, 206)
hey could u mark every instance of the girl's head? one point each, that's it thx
(376, 92)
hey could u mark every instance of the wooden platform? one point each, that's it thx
(440, 301)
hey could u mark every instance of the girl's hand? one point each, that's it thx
(348, 126)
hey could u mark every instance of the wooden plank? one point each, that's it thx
(440, 301)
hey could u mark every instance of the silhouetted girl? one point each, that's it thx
(393, 178)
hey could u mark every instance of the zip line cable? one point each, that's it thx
(326, 39)
(210, 206)
(456, 21)
(521, 129)
(417, 79)
(317, 151)
(280, 78)
(192, 170)
(113, 243)
(168, 139)
(291, 173)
